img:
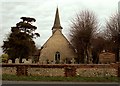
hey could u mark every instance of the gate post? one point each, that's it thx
(70, 71)
(22, 70)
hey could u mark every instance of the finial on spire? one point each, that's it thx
(57, 21)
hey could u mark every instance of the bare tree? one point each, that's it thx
(83, 29)
(98, 45)
(113, 32)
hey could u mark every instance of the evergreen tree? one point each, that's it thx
(19, 43)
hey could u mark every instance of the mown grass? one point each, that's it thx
(57, 78)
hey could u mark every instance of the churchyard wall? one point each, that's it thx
(83, 70)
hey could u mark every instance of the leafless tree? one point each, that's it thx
(113, 32)
(83, 28)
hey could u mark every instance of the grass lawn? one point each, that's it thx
(57, 78)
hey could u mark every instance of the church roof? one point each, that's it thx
(57, 24)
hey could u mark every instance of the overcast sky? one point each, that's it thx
(44, 13)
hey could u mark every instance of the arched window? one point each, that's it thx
(57, 57)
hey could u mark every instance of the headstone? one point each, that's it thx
(73, 60)
(24, 60)
(9, 61)
(107, 57)
(29, 61)
(16, 60)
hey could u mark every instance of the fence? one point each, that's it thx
(84, 70)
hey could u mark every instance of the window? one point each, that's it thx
(57, 57)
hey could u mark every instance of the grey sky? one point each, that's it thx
(44, 12)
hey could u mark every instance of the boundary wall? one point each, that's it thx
(82, 70)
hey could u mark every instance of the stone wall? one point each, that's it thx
(9, 70)
(96, 72)
(46, 71)
(59, 70)
(83, 72)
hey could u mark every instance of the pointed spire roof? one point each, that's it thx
(57, 21)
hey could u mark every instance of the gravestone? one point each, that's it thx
(9, 61)
(73, 61)
(16, 60)
(106, 57)
(24, 60)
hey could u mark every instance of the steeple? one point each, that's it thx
(57, 21)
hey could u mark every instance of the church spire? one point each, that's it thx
(57, 21)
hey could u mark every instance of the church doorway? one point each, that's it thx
(57, 57)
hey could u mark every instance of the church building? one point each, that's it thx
(57, 49)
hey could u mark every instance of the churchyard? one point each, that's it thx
(58, 59)
(27, 68)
